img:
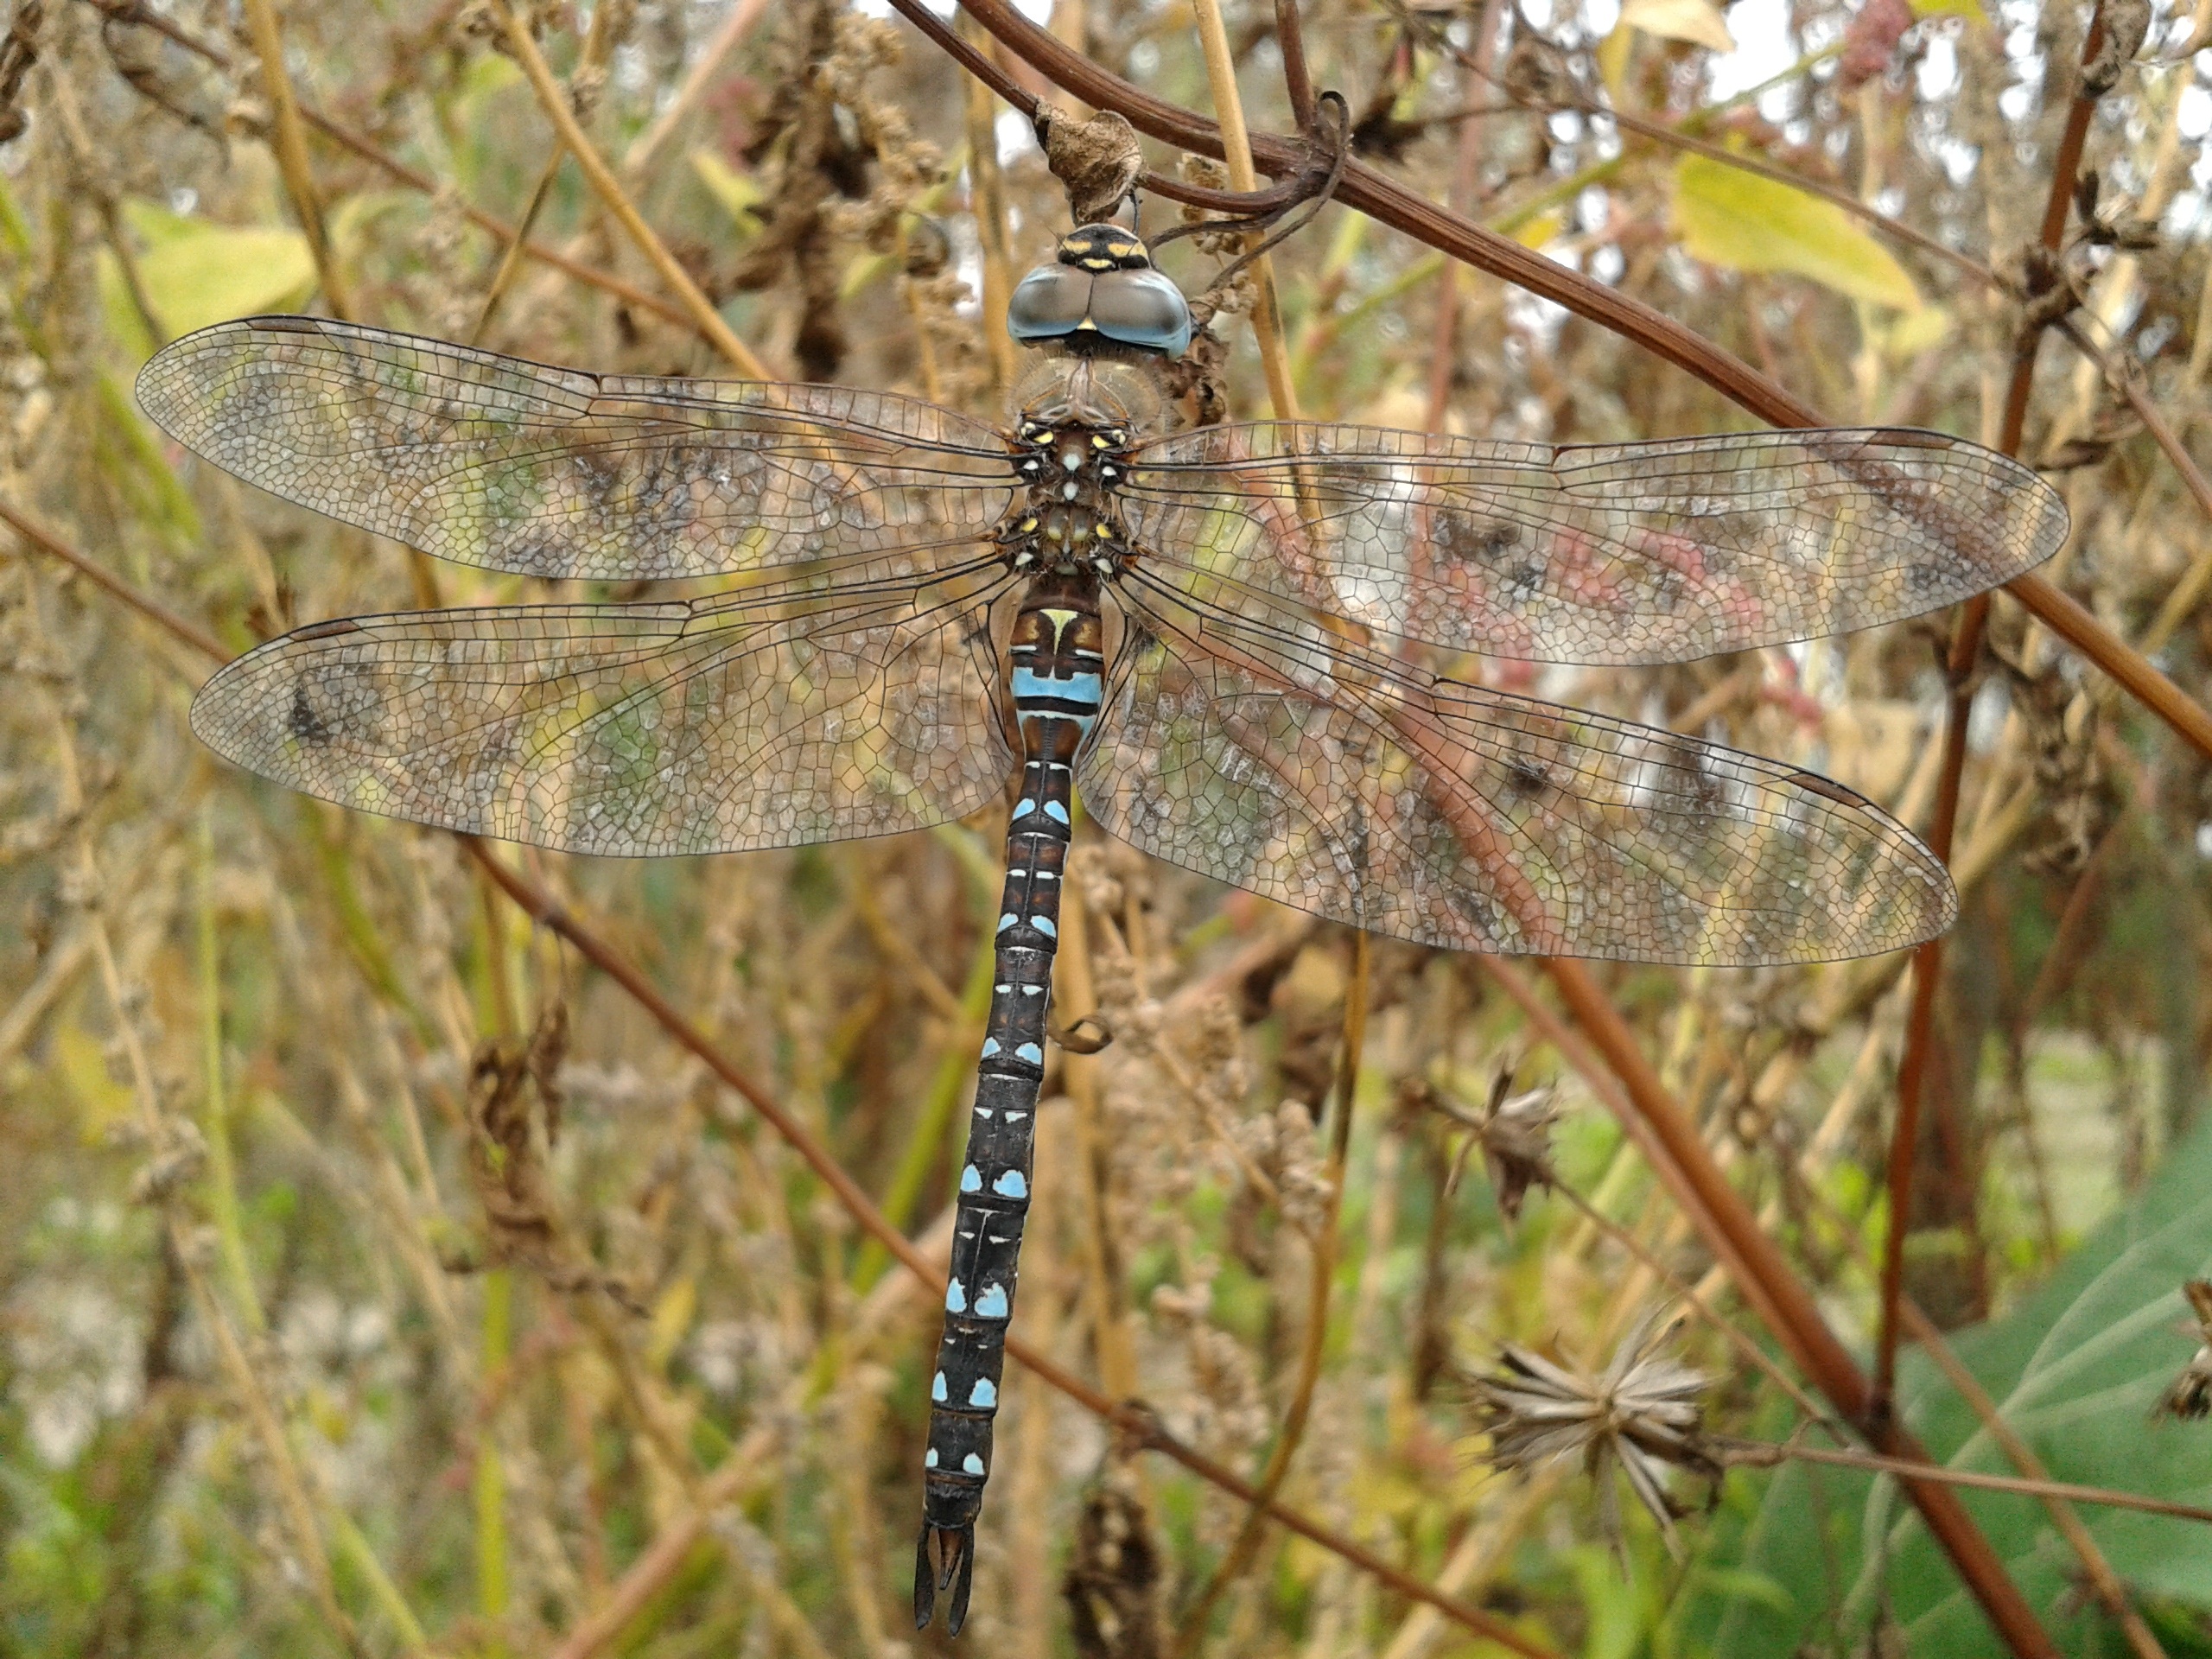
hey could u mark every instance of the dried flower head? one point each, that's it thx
(2190, 1396)
(1514, 1131)
(1642, 1411)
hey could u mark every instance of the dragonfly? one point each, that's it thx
(1255, 649)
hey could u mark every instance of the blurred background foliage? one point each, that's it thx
(376, 1277)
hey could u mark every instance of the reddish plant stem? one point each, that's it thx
(1722, 1216)
(1390, 203)
(1965, 653)
(1297, 78)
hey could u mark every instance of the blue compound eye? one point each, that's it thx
(1050, 302)
(1135, 307)
(1141, 308)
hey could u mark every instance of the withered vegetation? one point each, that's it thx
(379, 1276)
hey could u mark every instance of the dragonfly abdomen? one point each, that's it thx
(1057, 680)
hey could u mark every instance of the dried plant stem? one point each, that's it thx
(987, 203)
(704, 317)
(1267, 315)
(1322, 1249)
(1966, 652)
(1762, 1454)
(261, 1412)
(658, 1562)
(925, 1142)
(1478, 1556)
(490, 1483)
(511, 261)
(215, 1125)
(292, 153)
(701, 74)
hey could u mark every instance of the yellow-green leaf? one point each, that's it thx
(673, 1312)
(1969, 9)
(1698, 21)
(736, 191)
(101, 1101)
(1913, 332)
(1539, 228)
(194, 271)
(1740, 221)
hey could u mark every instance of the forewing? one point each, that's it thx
(713, 726)
(1619, 553)
(491, 461)
(1332, 780)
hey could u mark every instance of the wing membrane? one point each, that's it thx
(1334, 781)
(1622, 553)
(491, 461)
(711, 726)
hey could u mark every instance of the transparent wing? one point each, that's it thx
(712, 725)
(490, 461)
(1336, 781)
(1622, 553)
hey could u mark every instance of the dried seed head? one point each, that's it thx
(1517, 1138)
(2190, 1396)
(1642, 1411)
(1514, 1131)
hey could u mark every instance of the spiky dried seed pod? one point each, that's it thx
(1644, 1412)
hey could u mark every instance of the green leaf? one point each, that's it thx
(736, 191)
(194, 272)
(1740, 221)
(2076, 1369)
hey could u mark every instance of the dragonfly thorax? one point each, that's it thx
(1070, 521)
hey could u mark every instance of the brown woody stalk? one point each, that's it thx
(1133, 1420)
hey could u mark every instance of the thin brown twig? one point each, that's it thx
(1765, 1454)
(1297, 77)
(1267, 313)
(2103, 1581)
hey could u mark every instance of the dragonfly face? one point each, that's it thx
(1289, 707)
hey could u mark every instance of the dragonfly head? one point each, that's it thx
(1101, 288)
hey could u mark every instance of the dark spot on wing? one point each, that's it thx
(330, 630)
(1525, 778)
(301, 720)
